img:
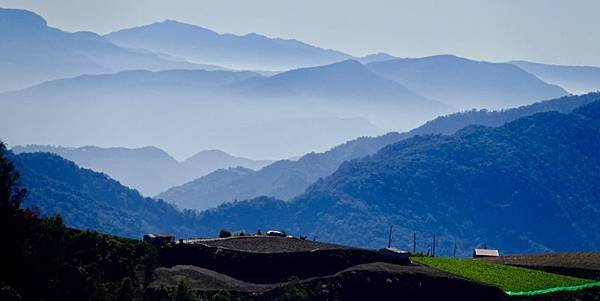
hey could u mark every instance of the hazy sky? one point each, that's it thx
(552, 31)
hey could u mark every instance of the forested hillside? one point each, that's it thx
(90, 200)
(287, 179)
(479, 185)
(519, 187)
(41, 259)
(149, 170)
(283, 179)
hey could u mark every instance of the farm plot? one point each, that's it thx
(507, 278)
(581, 265)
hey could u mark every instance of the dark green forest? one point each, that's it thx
(41, 259)
(91, 200)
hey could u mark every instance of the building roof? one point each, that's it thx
(486, 252)
(153, 235)
(393, 250)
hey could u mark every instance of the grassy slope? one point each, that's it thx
(507, 278)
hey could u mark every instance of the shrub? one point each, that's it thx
(221, 296)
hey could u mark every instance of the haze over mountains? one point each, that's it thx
(462, 186)
(479, 185)
(576, 79)
(248, 52)
(149, 86)
(467, 84)
(201, 113)
(32, 52)
(332, 99)
(150, 170)
(287, 179)
(283, 179)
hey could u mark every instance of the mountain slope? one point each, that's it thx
(183, 110)
(347, 88)
(247, 52)
(32, 53)
(376, 57)
(150, 170)
(451, 123)
(207, 161)
(576, 79)
(89, 200)
(343, 80)
(530, 185)
(467, 84)
(286, 179)
(482, 184)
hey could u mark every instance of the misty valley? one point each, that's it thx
(168, 161)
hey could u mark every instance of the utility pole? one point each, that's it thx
(455, 248)
(433, 247)
(390, 237)
(414, 242)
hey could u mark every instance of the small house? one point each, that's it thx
(393, 255)
(477, 253)
(159, 239)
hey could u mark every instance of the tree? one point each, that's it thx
(224, 233)
(184, 292)
(11, 194)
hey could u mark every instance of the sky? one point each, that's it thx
(549, 31)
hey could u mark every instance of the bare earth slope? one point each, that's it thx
(584, 265)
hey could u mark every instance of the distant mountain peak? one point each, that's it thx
(251, 51)
(342, 66)
(376, 57)
(209, 153)
(575, 79)
(20, 19)
(466, 83)
(166, 27)
(348, 63)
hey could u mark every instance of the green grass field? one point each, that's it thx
(507, 278)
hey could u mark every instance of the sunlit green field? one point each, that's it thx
(507, 278)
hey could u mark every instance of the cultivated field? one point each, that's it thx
(508, 278)
(583, 265)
